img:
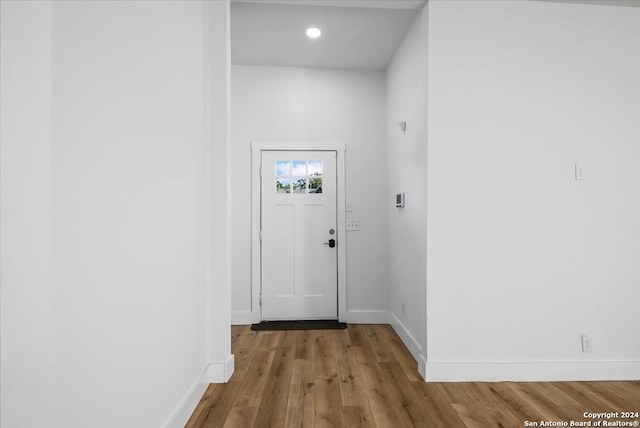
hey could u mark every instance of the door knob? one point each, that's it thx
(331, 243)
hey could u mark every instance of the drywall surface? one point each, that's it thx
(407, 160)
(218, 213)
(26, 286)
(106, 304)
(300, 105)
(522, 258)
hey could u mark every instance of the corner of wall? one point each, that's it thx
(410, 342)
(241, 318)
(189, 403)
(217, 372)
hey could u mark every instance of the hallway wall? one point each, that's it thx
(522, 258)
(106, 296)
(287, 104)
(407, 160)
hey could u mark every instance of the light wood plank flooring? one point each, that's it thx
(364, 377)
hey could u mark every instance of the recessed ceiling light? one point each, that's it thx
(313, 32)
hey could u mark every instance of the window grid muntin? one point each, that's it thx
(299, 176)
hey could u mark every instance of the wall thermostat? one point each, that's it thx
(400, 200)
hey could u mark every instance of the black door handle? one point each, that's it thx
(331, 243)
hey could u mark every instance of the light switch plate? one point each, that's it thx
(353, 225)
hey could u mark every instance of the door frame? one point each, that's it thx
(256, 257)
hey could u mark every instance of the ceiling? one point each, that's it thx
(357, 34)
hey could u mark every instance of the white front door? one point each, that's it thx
(299, 262)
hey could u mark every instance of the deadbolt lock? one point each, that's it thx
(331, 243)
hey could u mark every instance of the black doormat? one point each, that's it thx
(299, 325)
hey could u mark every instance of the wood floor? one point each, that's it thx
(364, 377)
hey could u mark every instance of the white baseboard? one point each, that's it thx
(532, 371)
(190, 401)
(422, 367)
(410, 342)
(212, 373)
(221, 372)
(241, 318)
(353, 317)
(368, 317)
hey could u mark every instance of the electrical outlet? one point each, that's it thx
(580, 172)
(586, 344)
(353, 225)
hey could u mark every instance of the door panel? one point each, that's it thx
(298, 211)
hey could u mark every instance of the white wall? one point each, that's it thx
(278, 104)
(522, 258)
(407, 160)
(28, 352)
(106, 315)
(218, 211)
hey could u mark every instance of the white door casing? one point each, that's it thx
(298, 240)
(258, 148)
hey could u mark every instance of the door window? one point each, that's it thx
(299, 176)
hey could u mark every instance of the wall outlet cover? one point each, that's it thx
(586, 344)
